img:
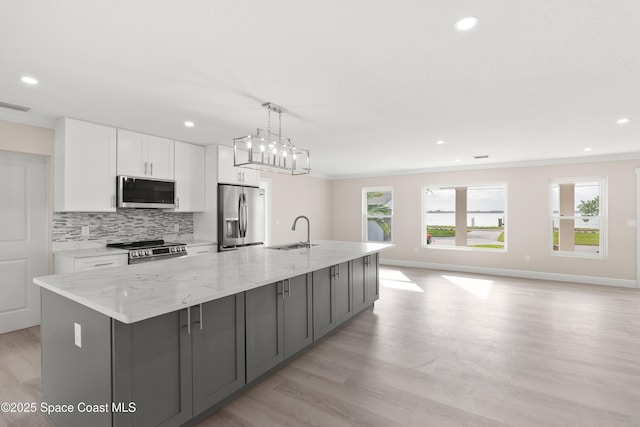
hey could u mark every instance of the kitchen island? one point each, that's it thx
(167, 343)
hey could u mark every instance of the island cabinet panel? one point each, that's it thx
(366, 288)
(298, 321)
(358, 285)
(331, 298)
(343, 293)
(264, 333)
(371, 279)
(218, 351)
(152, 368)
(324, 317)
(76, 360)
(278, 323)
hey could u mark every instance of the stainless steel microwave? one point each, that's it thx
(136, 192)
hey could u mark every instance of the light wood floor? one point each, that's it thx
(438, 349)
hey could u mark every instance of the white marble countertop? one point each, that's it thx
(91, 252)
(103, 250)
(194, 243)
(136, 292)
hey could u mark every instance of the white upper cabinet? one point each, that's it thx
(190, 180)
(145, 155)
(230, 174)
(85, 167)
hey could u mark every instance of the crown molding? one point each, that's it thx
(506, 165)
(27, 118)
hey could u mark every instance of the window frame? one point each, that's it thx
(423, 221)
(602, 216)
(366, 216)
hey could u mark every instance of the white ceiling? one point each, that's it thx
(370, 85)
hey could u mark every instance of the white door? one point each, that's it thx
(23, 238)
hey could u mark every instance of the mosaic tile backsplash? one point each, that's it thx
(122, 226)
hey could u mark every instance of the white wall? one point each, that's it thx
(299, 195)
(527, 218)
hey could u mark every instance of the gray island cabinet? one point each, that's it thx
(278, 323)
(167, 344)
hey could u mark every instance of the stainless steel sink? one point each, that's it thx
(290, 246)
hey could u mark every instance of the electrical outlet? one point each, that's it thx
(176, 228)
(77, 332)
(85, 231)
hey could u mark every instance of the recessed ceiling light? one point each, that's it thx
(622, 121)
(458, 160)
(440, 142)
(189, 124)
(466, 23)
(587, 149)
(29, 80)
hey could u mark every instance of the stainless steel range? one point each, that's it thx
(151, 250)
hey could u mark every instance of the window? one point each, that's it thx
(578, 217)
(471, 217)
(378, 214)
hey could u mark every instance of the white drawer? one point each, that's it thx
(92, 263)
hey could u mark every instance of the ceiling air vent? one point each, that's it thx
(14, 106)
(481, 157)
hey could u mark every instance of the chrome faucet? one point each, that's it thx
(293, 227)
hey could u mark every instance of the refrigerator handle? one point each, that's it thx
(246, 213)
(240, 216)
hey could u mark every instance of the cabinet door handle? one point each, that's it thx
(189, 320)
(332, 271)
(288, 287)
(177, 202)
(338, 270)
(151, 169)
(281, 293)
(145, 168)
(200, 311)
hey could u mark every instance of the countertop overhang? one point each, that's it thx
(137, 292)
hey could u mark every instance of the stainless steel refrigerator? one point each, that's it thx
(240, 216)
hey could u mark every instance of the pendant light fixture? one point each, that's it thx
(270, 151)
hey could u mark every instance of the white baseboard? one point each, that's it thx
(591, 280)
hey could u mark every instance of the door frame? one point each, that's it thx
(637, 227)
